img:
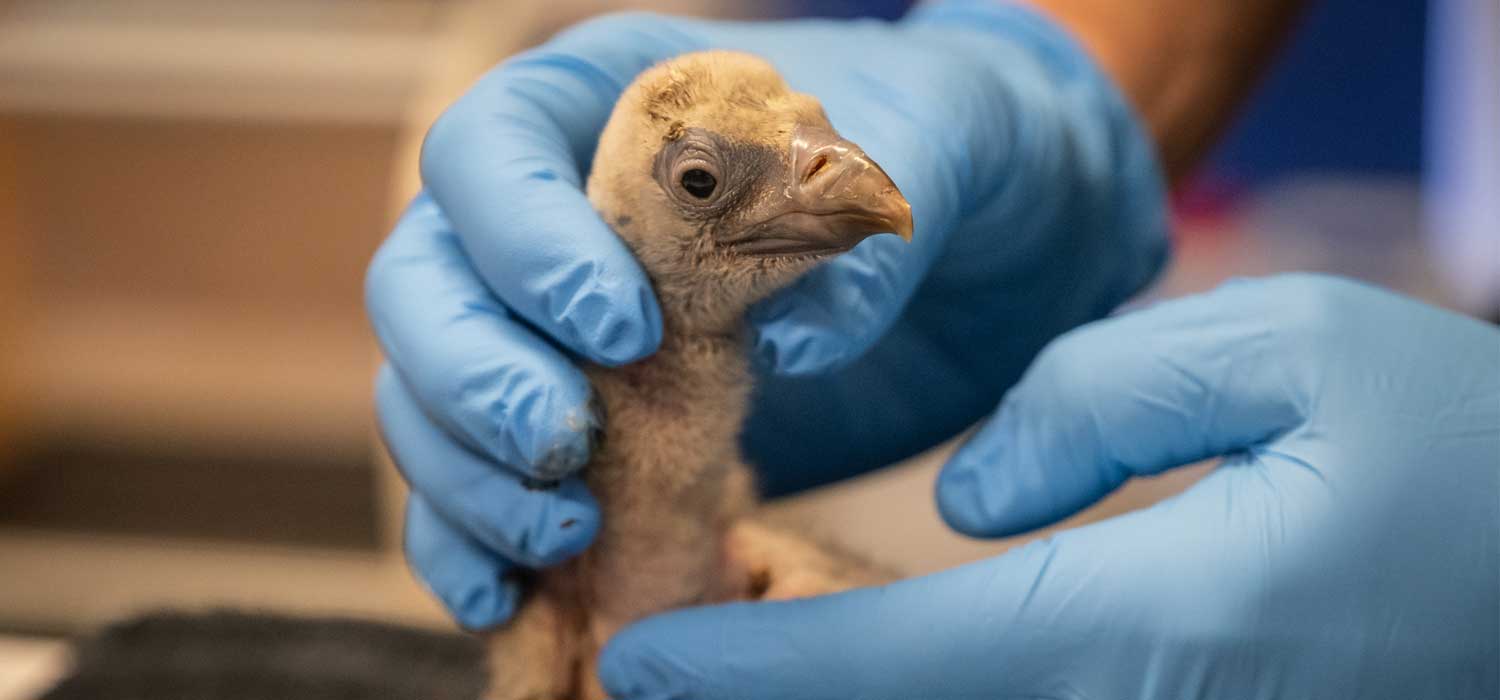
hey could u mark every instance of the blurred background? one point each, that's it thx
(190, 190)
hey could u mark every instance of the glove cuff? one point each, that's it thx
(1053, 45)
(1131, 188)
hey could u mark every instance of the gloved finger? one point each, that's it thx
(470, 581)
(505, 162)
(835, 313)
(481, 374)
(525, 522)
(1180, 382)
(1041, 621)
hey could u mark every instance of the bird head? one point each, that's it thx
(727, 185)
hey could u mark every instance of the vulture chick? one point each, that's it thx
(726, 185)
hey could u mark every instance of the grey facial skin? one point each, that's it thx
(828, 197)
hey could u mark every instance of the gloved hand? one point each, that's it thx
(1038, 207)
(1348, 545)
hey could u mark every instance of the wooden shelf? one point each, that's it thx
(319, 60)
(198, 187)
(133, 373)
(197, 198)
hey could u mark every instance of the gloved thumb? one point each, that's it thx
(1183, 381)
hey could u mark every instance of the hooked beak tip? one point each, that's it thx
(901, 223)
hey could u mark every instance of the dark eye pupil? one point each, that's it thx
(699, 182)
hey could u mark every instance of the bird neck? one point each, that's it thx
(672, 420)
(667, 475)
(697, 306)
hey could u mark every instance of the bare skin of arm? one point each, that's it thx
(1186, 65)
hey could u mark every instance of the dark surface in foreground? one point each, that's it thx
(244, 656)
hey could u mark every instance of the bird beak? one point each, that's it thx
(835, 197)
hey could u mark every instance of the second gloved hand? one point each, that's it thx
(1038, 207)
(1346, 547)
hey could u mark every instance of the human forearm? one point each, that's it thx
(1184, 64)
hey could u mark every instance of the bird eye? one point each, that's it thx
(692, 173)
(699, 182)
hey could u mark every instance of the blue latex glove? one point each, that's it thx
(1348, 546)
(1038, 207)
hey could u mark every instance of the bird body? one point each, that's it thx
(726, 185)
(669, 479)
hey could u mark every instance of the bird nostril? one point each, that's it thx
(817, 166)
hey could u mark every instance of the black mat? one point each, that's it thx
(242, 656)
